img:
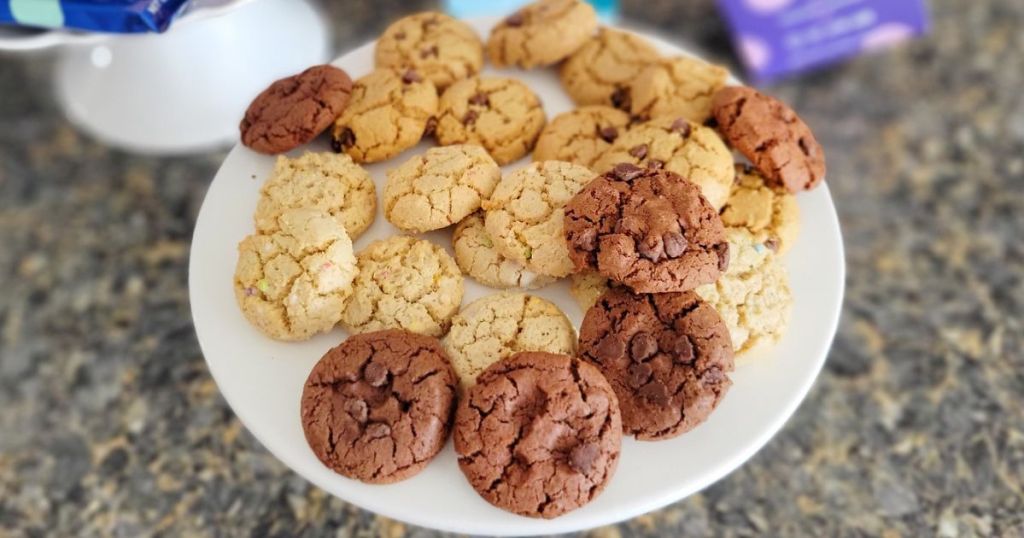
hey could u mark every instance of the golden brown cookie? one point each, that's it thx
(501, 114)
(541, 33)
(600, 72)
(677, 87)
(388, 114)
(586, 286)
(769, 213)
(439, 188)
(440, 48)
(581, 136)
(476, 256)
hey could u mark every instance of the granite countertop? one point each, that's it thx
(111, 425)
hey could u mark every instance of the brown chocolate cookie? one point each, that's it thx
(647, 228)
(769, 134)
(378, 407)
(539, 434)
(667, 356)
(295, 109)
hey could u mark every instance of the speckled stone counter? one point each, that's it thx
(111, 425)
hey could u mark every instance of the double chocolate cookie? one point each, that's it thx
(378, 407)
(539, 434)
(647, 228)
(666, 355)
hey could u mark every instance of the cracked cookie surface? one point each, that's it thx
(648, 229)
(677, 145)
(539, 434)
(496, 326)
(753, 296)
(439, 47)
(502, 115)
(476, 256)
(666, 355)
(404, 283)
(440, 187)
(524, 216)
(293, 283)
(378, 407)
(677, 87)
(768, 133)
(329, 182)
(580, 136)
(541, 33)
(769, 213)
(600, 72)
(388, 113)
(296, 109)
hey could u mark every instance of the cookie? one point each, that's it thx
(539, 434)
(389, 113)
(769, 213)
(293, 283)
(476, 256)
(501, 114)
(586, 286)
(648, 229)
(541, 33)
(676, 87)
(677, 145)
(600, 72)
(753, 296)
(436, 46)
(768, 133)
(666, 355)
(329, 182)
(525, 213)
(496, 326)
(404, 283)
(438, 188)
(580, 136)
(378, 407)
(295, 109)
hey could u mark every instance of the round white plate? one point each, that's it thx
(262, 379)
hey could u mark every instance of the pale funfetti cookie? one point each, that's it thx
(438, 188)
(525, 213)
(329, 182)
(476, 256)
(600, 72)
(404, 283)
(440, 48)
(581, 136)
(293, 283)
(496, 326)
(680, 86)
(586, 286)
(677, 145)
(770, 213)
(541, 33)
(753, 296)
(388, 113)
(501, 114)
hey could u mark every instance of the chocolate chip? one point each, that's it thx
(711, 122)
(639, 373)
(375, 374)
(675, 244)
(609, 349)
(410, 76)
(586, 240)
(344, 140)
(747, 168)
(515, 19)
(620, 98)
(430, 127)
(480, 99)
(772, 243)
(682, 127)
(378, 430)
(357, 409)
(639, 151)
(426, 52)
(643, 346)
(582, 457)
(722, 250)
(470, 117)
(682, 349)
(655, 164)
(655, 392)
(651, 248)
(627, 171)
(804, 146)
(608, 134)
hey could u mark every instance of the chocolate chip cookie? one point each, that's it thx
(378, 407)
(768, 133)
(541, 33)
(539, 434)
(646, 228)
(601, 71)
(580, 136)
(667, 356)
(295, 109)
(769, 213)
(677, 87)
(433, 44)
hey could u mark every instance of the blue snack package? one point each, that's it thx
(115, 16)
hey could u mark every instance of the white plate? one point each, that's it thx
(262, 379)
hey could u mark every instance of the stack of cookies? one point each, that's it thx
(673, 249)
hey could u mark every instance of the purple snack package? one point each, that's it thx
(115, 16)
(775, 38)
